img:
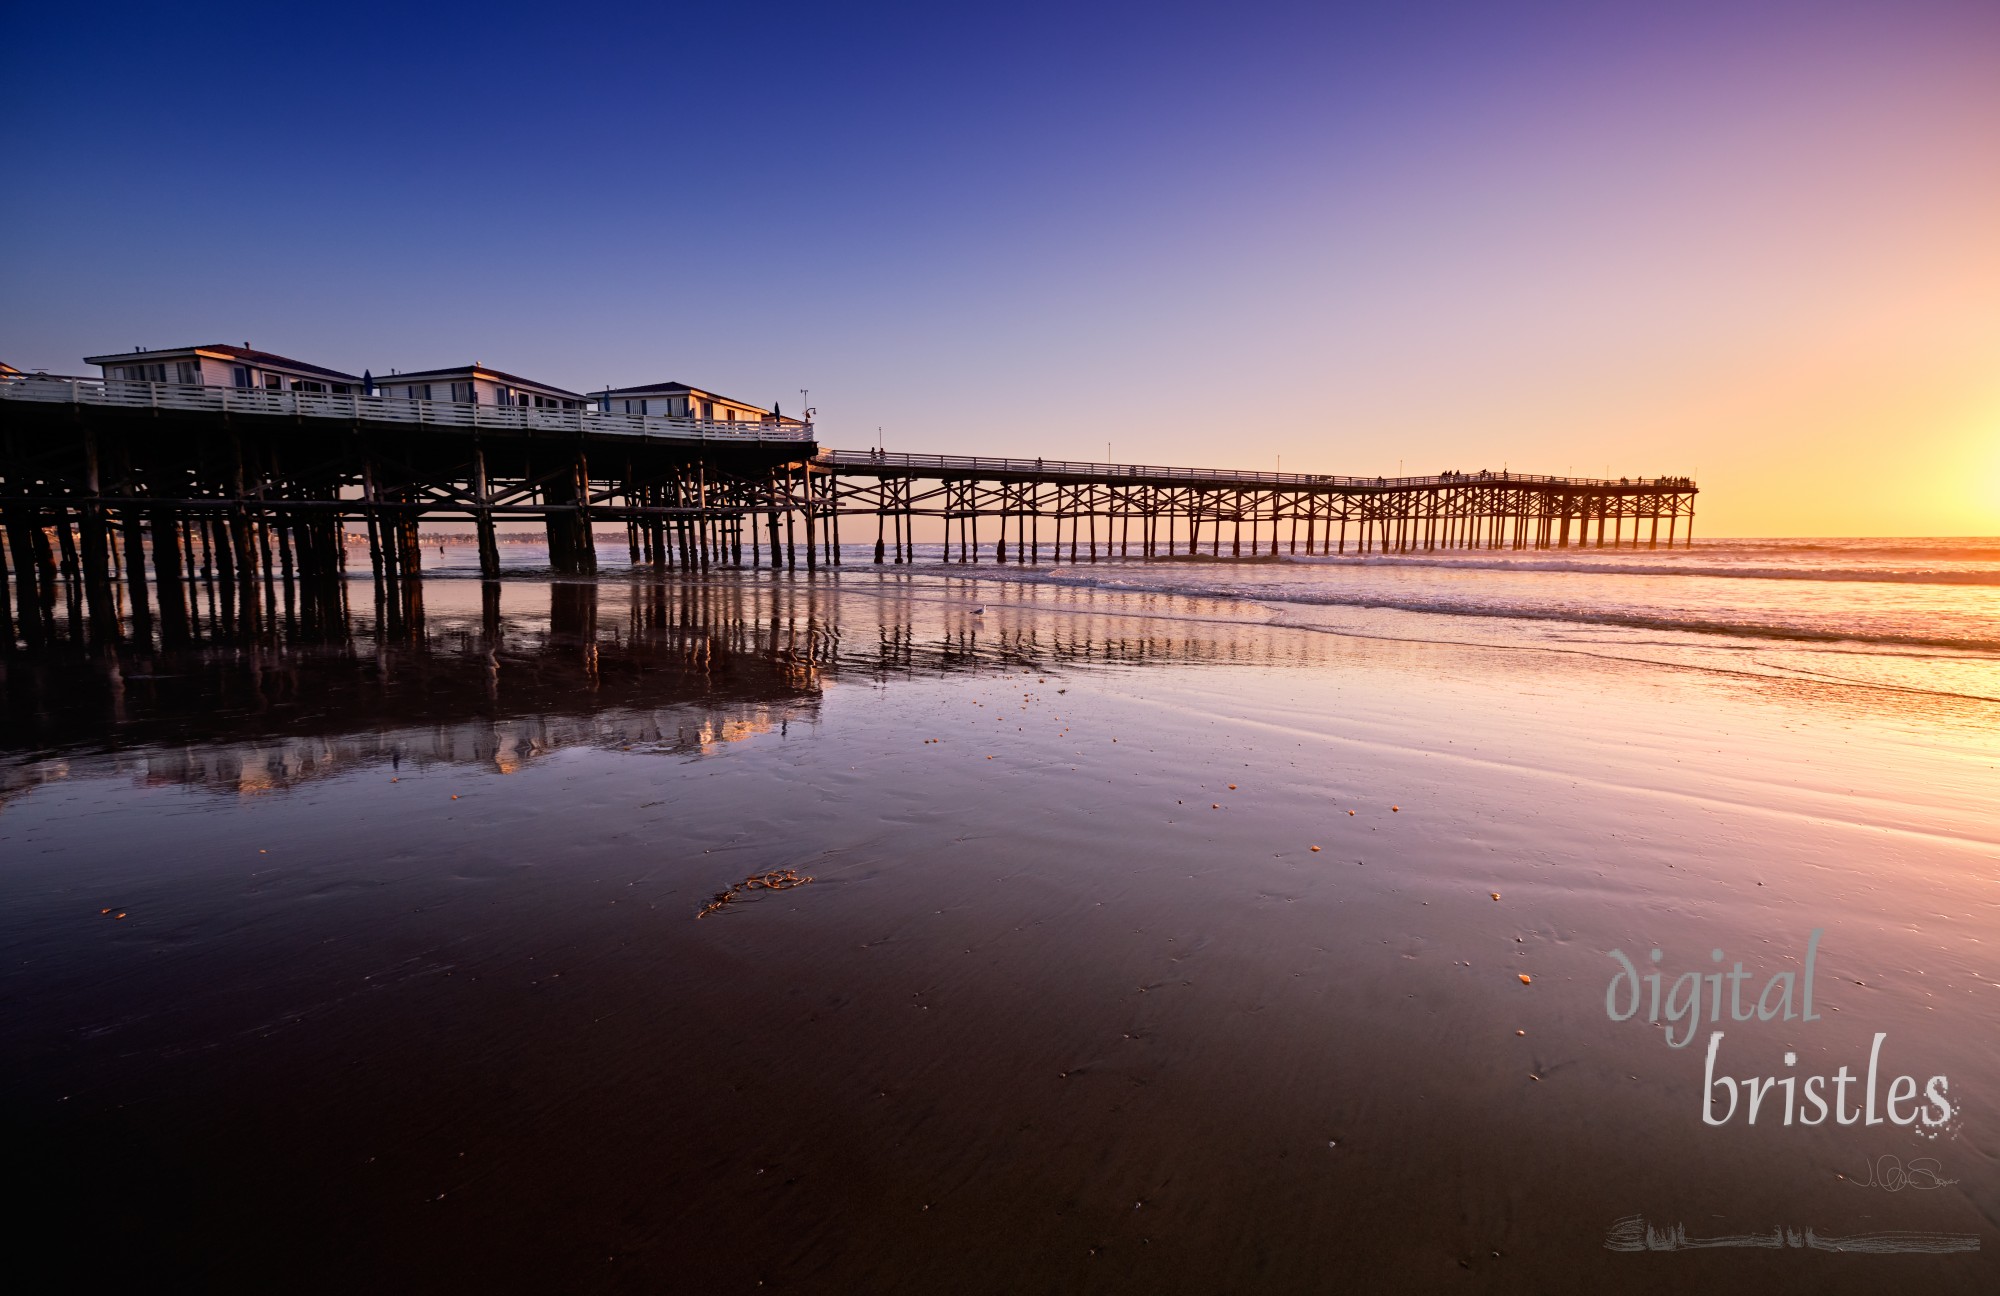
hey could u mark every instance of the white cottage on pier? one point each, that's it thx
(223, 366)
(475, 384)
(678, 400)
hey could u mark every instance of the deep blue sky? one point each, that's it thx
(1733, 238)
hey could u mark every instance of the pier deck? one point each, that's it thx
(112, 490)
(1095, 508)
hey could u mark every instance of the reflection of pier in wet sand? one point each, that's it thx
(678, 672)
(499, 675)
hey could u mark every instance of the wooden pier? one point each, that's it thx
(1020, 509)
(114, 491)
(117, 495)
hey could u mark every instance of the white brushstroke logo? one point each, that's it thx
(1633, 1233)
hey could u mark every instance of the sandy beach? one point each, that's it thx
(1147, 948)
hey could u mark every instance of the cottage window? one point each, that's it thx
(462, 392)
(187, 373)
(275, 382)
(242, 375)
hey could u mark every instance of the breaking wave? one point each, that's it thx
(1889, 575)
(1653, 618)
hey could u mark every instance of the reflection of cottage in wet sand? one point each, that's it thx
(245, 724)
(18, 779)
(717, 732)
(507, 746)
(679, 731)
(510, 752)
(245, 768)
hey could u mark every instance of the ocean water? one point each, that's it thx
(1920, 614)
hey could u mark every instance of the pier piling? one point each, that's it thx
(239, 500)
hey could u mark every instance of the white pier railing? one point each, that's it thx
(893, 464)
(349, 408)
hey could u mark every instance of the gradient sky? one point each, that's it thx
(1758, 243)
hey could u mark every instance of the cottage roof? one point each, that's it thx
(675, 389)
(474, 371)
(652, 389)
(262, 359)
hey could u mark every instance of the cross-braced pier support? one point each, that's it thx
(1026, 511)
(129, 513)
(130, 506)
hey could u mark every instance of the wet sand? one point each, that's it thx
(1061, 1010)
